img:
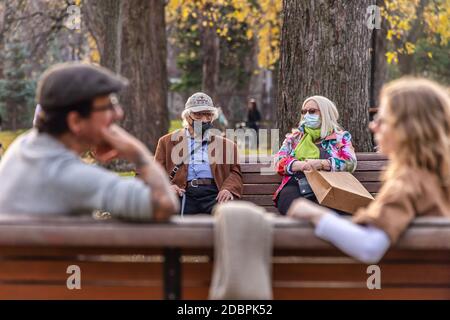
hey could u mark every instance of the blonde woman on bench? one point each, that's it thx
(413, 129)
(319, 143)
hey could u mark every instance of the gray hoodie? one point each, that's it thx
(39, 175)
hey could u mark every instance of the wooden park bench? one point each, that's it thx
(174, 260)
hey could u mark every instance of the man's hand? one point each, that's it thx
(104, 153)
(164, 205)
(307, 210)
(224, 196)
(178, 190)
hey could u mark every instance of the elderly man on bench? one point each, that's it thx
(42, 172)
(202, 165)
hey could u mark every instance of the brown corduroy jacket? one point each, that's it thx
(223, 158)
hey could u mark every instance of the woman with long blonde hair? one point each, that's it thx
(413, 129)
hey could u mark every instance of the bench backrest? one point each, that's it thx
(156, 261)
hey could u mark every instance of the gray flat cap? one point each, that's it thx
(64, 85)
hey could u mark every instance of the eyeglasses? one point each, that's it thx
(200, 115)
(310, 111)
(113, 105)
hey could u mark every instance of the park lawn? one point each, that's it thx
(175, 124)
(7, 137)
(127, 174)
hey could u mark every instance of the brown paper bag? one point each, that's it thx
(338, 190)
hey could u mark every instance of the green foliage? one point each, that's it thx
(235, 54)
(433, 61)
(191, 68)
(17, 90)
(235, 47)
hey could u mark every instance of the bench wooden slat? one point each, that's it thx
(368, 176)
(249, 178)
(305, 293)
(261, 200)
(361, 156)
(364, 156)
(288, 234)
(269, 189)
(252, 178)
(376, 165)
(371, 165)
(343, 278)
(88, 292)
(394, 275)
(36, 269)
(362, 293)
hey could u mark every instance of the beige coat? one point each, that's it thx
(413, 193)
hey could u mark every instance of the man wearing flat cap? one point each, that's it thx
(202, 165)
(42, 173)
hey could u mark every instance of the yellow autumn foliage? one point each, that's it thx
(261, 16)
(264, 19)
(401, 15)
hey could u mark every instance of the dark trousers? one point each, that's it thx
(200, 199)
(288, 194)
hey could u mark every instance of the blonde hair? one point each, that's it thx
(329, 115)
(418, 110)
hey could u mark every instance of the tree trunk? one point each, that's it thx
(104, 21)
(379, 64)
(406, 61)
(325, 50)
(211, 62)
(132, 41)
(143, 58)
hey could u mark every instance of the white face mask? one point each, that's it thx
(312, 121)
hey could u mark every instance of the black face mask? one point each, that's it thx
(205, 126)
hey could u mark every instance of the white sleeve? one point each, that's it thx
(366, 244)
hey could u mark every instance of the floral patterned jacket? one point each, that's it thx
(338, 145)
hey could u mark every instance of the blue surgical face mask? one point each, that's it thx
(312, 121)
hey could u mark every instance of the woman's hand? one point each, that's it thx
(319, 164)
(316, 164)
(307, 210)
(298, 166)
